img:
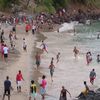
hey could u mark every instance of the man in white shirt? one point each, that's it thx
(5, 51)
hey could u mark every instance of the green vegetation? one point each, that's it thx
(48, 5)
(4, 4)
(52, 5)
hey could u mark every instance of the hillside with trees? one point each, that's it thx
(49, 6)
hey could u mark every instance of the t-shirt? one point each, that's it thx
(7, 84)
(19, 77)
(92, 74)
(33, 88)
(5, 50)
(44, 83)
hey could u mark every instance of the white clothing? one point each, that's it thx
(5, 49)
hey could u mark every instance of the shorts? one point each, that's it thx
(19, 83)
(42, 91)
(33, 95)
(51, 72)
(5, 55)
(7, 92)
(37, 62)
(92, 79)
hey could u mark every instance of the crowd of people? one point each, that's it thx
(40, 20)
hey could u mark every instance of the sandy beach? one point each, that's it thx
(19, 60)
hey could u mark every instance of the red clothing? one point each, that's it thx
(19, 77)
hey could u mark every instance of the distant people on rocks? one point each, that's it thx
(92, 76)
(19, 78)
(88, 57)
(63, 94)
(2, 36)
(33, 91)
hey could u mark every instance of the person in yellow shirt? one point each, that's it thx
(33, 90)
(85, 92)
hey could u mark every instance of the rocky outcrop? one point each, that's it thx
(92, 95)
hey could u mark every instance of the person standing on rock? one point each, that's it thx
(63, 94)
(38, 59)
(7, 88)
(19, 79)
(92, 76)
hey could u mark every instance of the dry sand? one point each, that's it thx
(19, 60)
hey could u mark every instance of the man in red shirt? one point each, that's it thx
(19, 79)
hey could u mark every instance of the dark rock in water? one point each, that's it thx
(92, 95)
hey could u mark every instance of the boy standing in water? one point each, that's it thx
(76, 52)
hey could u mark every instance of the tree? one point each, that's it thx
(7, 3)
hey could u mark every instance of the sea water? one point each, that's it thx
(71, 72)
